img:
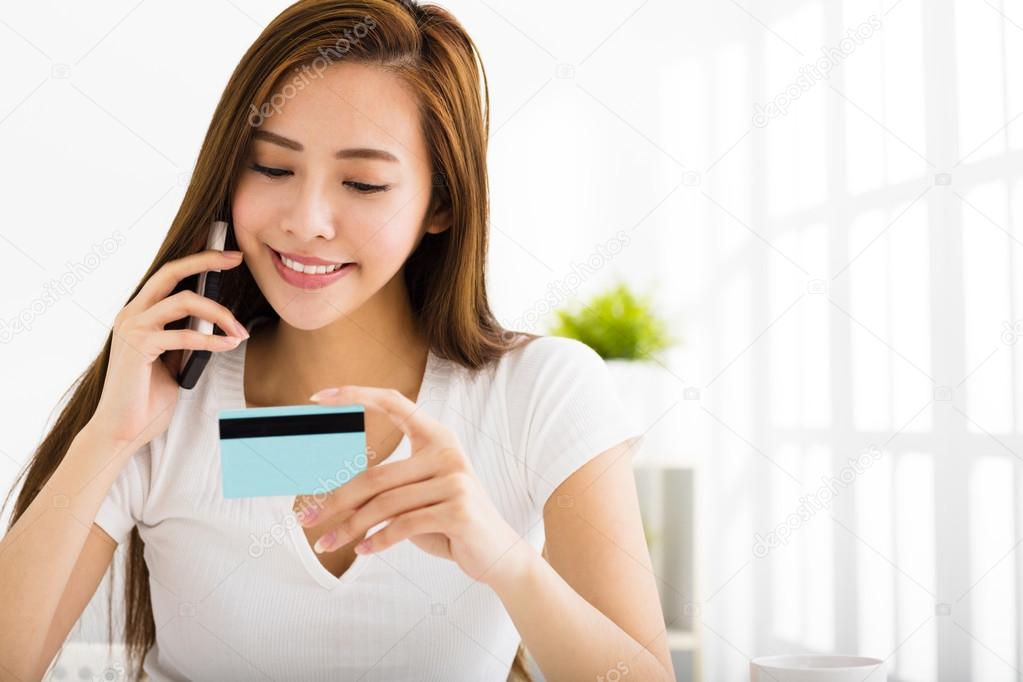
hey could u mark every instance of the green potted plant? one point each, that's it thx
(625, 329)
(618, 324)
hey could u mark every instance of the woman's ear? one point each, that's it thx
(440, 220)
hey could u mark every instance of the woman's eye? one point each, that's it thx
(361, 187)
(270, 172)
(364, 188)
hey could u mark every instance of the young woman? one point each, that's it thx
(352, 134)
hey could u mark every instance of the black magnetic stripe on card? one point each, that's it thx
(293, 425)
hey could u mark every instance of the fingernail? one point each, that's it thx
(362, 547)
(324, 542)
(242, 331)
(323, 394)
(233, 254)
(308, 515)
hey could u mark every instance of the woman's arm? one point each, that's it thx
(593, 612)
(596, 544)
(39, 553)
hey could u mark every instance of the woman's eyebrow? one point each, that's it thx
(357, 153)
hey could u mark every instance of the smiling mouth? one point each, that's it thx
(310, 269)
(310, 277)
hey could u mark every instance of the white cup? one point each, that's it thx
(817, 668)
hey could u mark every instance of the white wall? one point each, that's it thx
(841, 273)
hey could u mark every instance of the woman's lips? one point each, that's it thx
(307, 260)
(303, 280)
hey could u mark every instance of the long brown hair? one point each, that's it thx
(445, 275)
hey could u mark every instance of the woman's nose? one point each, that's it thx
(313, 214)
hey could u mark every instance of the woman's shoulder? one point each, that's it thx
(563, 408)
(532, 367)
(550, 355)
(542, 368)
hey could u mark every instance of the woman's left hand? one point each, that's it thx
(433, 498)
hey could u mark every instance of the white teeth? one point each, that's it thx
(309, 269)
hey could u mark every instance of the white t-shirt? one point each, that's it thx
(238, 593)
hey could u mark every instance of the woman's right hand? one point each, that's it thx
(140, 393)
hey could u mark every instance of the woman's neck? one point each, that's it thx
(377, 345)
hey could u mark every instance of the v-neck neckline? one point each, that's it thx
(234, 366)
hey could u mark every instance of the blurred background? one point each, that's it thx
(791, 227)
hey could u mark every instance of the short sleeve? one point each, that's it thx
(564, 410)
(122, 508)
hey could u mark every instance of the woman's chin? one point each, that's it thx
(308, 313)
(308, 320)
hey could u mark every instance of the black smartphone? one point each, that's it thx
(209, 285)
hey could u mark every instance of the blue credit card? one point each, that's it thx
(290, 450)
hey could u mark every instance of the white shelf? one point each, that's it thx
(645, 462)
(681, 640)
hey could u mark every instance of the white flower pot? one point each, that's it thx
(651, 395)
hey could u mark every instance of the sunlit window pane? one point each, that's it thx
(992, 597)
(786, 561)
(869, 308)
(814, 319)
(796, 140)
(1013, 60)
(783, 340)
(819, 553)
(908, 245)
(904, 97)
(981, 100)
(916, 659)
(1011, 339)
(986, 275)
(862, 74)
(875, 576)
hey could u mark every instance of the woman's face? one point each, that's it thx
(338, 173)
